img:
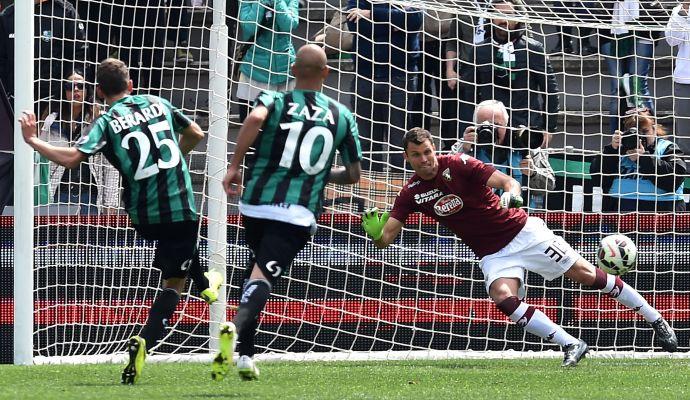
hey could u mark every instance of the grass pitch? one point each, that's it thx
(452, 379)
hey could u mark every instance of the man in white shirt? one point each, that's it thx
(678, 34)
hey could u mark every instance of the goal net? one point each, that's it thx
(587, 62)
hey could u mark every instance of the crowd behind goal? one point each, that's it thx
(410, 67)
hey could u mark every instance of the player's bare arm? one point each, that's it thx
(248, 133)
(390, 232)
(68, 157)
(346, 175)
(512, 191)
(190, 137)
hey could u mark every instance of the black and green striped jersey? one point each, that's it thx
(138, 135)
(295, 151)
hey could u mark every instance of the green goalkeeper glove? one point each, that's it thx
(509, 200)
(373, 222)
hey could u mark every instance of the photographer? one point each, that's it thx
(515, 152)
(641, 169)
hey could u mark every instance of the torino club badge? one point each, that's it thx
(446, 175)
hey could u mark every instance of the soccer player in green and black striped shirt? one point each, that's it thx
(138, 136)
(283, 187)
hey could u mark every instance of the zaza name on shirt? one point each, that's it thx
(319, 114)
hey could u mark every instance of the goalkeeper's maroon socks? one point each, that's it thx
(623, 293)
(159, 315)
(253, 300)
(534, 321)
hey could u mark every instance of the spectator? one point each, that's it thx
(629, 55)
(641, 169)
(459, 92)
(678, 34)
(565, 36)
(578, 10)
(433, 40)
(650, 14)
(94, 185)
(508, 153)
(267, 25)
(140, 26)
(60, 48)
(98, 18)
(335, 37)
(387, 54)
(179, 27)
(515, 70)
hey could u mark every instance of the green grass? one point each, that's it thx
(435, 380)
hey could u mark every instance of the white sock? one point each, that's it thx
(537, 323)
(629, 297)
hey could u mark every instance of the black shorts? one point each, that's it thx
(176, 246)
(274, 244)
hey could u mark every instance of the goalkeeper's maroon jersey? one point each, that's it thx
(459, 199)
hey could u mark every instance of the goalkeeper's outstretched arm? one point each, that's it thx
(512, 191)
(382, 229)
(390, 232)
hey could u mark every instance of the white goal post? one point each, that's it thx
(82, 281)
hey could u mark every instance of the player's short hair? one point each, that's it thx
(491, 104)
(416, 136)
(112, 76)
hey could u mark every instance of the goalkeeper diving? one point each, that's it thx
(456, 190)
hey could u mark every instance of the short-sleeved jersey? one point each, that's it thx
(295, 151)
(459, 199)
(138, 136)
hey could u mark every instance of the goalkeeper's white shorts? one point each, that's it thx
(536, 249)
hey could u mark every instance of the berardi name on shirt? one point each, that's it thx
(135, 118)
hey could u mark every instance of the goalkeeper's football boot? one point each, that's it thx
(210, 294)
(226, 343)
(665, 334)
(573, 353)
(136, 347)
(247, 369)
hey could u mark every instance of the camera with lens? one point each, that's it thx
(486, 134)
(524, 140)
(630, 138)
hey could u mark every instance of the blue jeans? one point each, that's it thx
(86, 200)
(617, 68)
(637, 65)
(644, 54)
(383, 110)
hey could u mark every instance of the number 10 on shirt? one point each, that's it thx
(307, 146)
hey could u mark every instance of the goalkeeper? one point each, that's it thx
(455, 190)
(138, 136)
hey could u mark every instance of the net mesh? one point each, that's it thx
(93, 281)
